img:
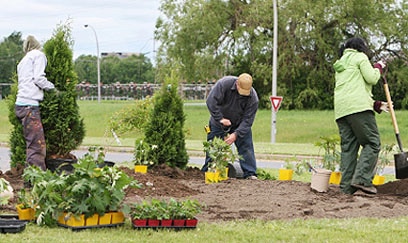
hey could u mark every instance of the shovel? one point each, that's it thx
(400, 159)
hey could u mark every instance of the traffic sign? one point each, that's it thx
(276, 101)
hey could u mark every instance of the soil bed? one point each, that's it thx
(237, 199)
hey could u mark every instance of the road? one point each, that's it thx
(126, 156)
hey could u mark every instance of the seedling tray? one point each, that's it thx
(164, 227)
(11, 224)
(78, 228)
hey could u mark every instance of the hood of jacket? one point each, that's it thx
(341, 64)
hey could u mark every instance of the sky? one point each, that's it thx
(120, 25)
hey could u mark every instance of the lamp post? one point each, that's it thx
(97, 61)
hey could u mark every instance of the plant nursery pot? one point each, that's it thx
(191, 222)
(106, 163)
(75, 221)
(92, 221)
(378, 180)
(320, 180)
(26, 213)
(211, 177)
(153, 222)
(235, 170)
(139, 222)
(179, 222)
(117, 217)
(166, 222)
(285, 174)
(105, 219)
(335, 178)
(141, 169)
(60, 165)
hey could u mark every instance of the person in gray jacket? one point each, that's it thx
(31, 85)
(233, 104)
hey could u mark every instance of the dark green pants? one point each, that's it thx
(358, 131)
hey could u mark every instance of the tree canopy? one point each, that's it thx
(206, 39)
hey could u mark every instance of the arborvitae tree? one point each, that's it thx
(17, 141)
(165, 127)
(63, 127)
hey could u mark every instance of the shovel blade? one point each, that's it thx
(401, 165)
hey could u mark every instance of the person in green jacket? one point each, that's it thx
(354, 113)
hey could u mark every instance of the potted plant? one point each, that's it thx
(331, 156)
(88, 192)
(221, 155)
(25, 206)
(286, 173)
(142, 155)
(382, 162)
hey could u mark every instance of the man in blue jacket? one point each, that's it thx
(233, 104)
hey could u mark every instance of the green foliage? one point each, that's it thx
(6, 191)
(165, 127)
(63, 126)
(162, 209)
(131, 118)
(142, 153)
(220, 153)
(331, 156)
(384, 157)
(88, 190)
(238, 37)
(264, 175)
(17, 140)
(11, 52)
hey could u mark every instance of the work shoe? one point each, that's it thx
(366, 189)
(252, 177)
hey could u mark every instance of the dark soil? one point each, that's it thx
(237, 199)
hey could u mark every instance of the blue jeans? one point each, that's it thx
(244, 146)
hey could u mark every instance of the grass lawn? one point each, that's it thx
(296, 131)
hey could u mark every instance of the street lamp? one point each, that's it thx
(97, 61)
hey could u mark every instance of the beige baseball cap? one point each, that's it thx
(244, 84)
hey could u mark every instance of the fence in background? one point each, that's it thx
(130, 91)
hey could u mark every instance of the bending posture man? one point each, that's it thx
(233, 104)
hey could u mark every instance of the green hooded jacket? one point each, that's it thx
(354, 77)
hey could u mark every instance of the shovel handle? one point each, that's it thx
(392, 112)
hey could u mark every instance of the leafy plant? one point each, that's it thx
(6, 191)
(383, 158)
(88, 190)
(143, 153)
(161, 209)
(25, 199)
(264, 175)
(331, 157)
(220, 153)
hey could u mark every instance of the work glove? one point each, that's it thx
(380, 106)
(380, 65)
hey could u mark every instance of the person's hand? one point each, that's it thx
(380, 65)
(380, 106)
(225, 122)
(231, 138)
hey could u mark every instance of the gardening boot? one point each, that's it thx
(366, 189)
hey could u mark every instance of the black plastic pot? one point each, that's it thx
(60, 165)
(106, 163)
